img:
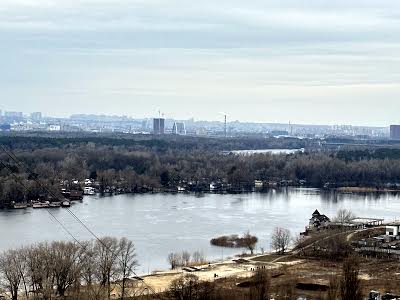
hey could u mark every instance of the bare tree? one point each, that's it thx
(260, 285)
(334, 288)
(23, 269)
(173, 260)
(106, 178)
(91, 274)
(185, 288)
(32, 259)
(126, 262)
(280, 239)
(350, 285)
(344, 216)
(66, 268)
(198, 257)
(250, 241)
(73, 166)
(61, 268)
(10, 274)
(106, 251)
(40, 270)
(299, 244)
(186, 257)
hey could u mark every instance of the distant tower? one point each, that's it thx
(225, 123)
(290, 128)
(225, 131)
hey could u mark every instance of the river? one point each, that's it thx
(163, 223)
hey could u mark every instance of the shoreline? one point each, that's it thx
(232, 267)
(339, 190)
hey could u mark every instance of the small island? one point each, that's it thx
(235, 241)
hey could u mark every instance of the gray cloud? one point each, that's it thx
(336, 59)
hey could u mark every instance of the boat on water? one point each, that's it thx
(41, 204)
(66, 203)
(54, 204)
(20, 205)
(181, 189)
(89, 191)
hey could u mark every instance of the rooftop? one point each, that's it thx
(365, 220)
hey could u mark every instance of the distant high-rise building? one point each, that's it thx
(158, 126)
(395, 132)
(179, 128)
(13, 114)
(36, 116)
(145, 125)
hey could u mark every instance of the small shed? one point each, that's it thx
(393, 229)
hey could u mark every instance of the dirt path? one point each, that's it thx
(160, 281)
(350, 236)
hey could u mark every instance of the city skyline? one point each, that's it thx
(89, 116)
(268, 62)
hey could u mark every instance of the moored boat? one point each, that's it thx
(89, 191)
(66, 203)
(54, 204)
(41, 204)
(20, 205)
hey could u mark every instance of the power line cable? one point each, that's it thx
(48, 210)
(15, 159)
(11, 155)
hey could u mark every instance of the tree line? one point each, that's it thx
(148, 165)
(95, 269)
(186, 259)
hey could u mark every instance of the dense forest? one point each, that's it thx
(162, 143)
(157, 164)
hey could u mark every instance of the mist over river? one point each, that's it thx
(163, 223)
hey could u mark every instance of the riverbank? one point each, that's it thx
(366, 190)
(266, 191)
(238, 267)
(281, 188)
(165, 223)
(310, 276)
(263, 188)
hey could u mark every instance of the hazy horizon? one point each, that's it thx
(220, 119)
(308, 62)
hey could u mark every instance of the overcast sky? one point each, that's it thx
(316, 62)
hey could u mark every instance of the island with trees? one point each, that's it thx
(152, 164)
